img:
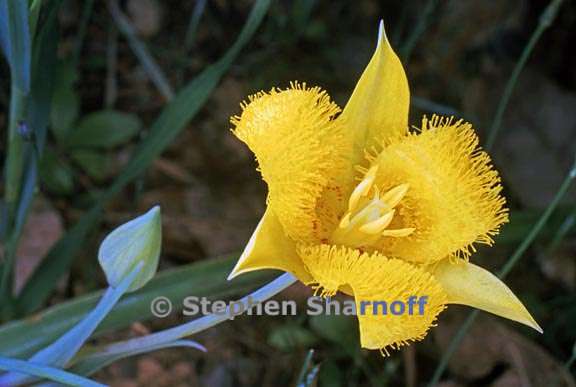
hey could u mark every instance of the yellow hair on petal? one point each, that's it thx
(300, 148)
(373, 277)
(454, 198)
(329, 266)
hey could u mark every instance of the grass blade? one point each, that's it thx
(139, 49)
(408, 47)
(545, 21)
(171, 121)
(193, 24)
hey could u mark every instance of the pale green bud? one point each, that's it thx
(138, 240)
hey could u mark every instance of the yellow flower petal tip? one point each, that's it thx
(381, 33)
(269, 248)
(468, 284)
(378, 107)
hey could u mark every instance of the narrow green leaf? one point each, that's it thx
(172, 120)
(15, 41)
(38, 103)
(43, 74)
(139, 49)
(546, 19)
(104, 129)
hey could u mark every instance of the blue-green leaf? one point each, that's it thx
(46, 373)
(206, 278)
(62, 350)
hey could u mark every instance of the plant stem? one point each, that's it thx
(545, 21)
(14, 159)
(14, 172)
(457, 339)
(420, 27)
(168, 335)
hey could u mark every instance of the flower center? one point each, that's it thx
(367, 220)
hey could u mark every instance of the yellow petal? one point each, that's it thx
(378, 107)
(270, 248)
(454, 200)
(471, 285)
(301, 151)
(375, 278)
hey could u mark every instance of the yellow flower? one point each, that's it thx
(358, 203)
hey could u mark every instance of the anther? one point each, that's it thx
(378, 225)
(395, 195)
(345, 222)
(363, 188)
(401, 232)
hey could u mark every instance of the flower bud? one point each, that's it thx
(138, 240)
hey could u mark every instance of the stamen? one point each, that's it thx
(366, 221)
(401, 232)
(363, 188)
(345, 222)
(395, 195)
(378, 225)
